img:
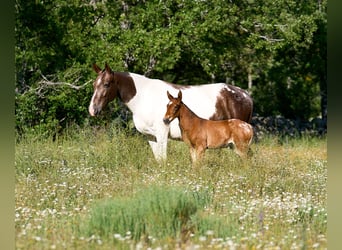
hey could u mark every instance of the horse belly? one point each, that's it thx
(217, 143)
(218, 136)
(144, 126)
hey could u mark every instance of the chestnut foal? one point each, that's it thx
(201, 134)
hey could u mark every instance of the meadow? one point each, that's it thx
(102, 189)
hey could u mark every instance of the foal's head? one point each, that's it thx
(105, 89)
(172, 108)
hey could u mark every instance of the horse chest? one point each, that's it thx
(144, 124)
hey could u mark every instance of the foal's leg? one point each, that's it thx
(193, 154)
(243, 143)
(241, 148)
(241, 153)
(197, 153)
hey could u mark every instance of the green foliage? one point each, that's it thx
(158, 212)
(50, 108)
(187, 42)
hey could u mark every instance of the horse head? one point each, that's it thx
(172, 108)
(105, 89)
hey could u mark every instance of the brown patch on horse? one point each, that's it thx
(107, 86)
(233, 102)
(127, 88)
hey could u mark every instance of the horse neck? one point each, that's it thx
(126, 87)
(186, 116)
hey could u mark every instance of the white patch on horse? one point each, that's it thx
(98, 81)
(151, 100)
(245, 126)
(91, 106)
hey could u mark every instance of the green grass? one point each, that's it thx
(70, 192)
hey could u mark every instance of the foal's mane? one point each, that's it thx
(191, 113)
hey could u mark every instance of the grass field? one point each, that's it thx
(104, 190)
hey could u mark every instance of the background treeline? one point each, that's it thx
(275, 48)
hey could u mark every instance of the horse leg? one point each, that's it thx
(154, 148)
(159, 148)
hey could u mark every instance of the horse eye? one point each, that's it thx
(106, 84)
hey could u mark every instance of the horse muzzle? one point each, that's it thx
(93, 111)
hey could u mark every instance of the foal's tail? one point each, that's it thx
(250, 151)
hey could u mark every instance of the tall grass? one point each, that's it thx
(102, 189)
(159, 212)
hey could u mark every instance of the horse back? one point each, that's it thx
(233, 102)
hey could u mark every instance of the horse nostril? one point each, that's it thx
(93, 111)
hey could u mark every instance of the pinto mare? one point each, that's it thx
(146, 99)
(201, 134)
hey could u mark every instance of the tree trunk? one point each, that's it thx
(250, 80)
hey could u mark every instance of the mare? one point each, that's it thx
(145, 98)
(201, 134)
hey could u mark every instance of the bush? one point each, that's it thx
(157, 212)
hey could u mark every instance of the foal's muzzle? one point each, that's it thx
(166, 121)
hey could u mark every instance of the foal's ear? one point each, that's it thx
(96, 68)
(169, 95)
(180, 95)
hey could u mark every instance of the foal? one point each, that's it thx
(201, 134)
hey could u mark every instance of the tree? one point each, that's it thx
(276, 48)
(298, 68)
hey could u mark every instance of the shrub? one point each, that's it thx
(157, 212)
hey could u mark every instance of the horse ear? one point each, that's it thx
(96, 68)
(169, 96)
(108, 69)
(180, 95)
